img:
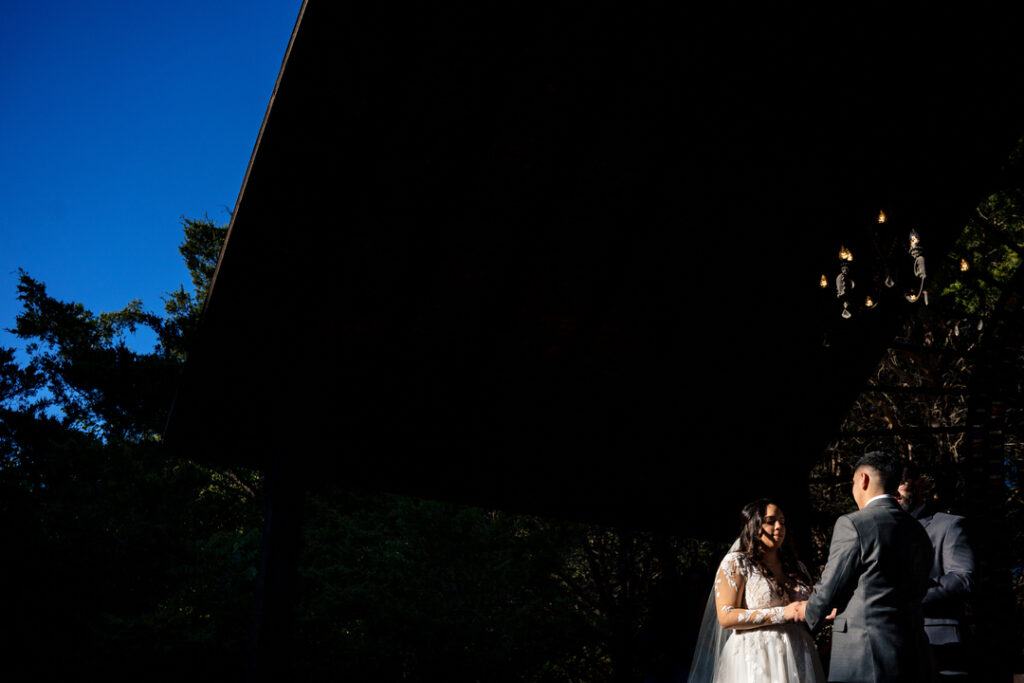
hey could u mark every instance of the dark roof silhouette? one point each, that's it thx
(566, 260)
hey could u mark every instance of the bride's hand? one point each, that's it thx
(832, 614)
(795, 611)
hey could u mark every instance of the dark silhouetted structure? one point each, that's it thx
(566, 261)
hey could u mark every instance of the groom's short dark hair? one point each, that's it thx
(888, 467)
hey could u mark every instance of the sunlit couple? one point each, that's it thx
(764, 605)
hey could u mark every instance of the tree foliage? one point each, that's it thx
(399, 588)
(128, 561)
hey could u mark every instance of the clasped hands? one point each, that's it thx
(795, 612)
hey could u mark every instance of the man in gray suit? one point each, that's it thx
(952, 577)
(875, 579)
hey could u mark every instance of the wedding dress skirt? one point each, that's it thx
(783, 653)
(767, 648)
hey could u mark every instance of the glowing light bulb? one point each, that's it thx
(869, 302)
(964, 266)
(914, 239)
(881, 216)
(824, 282)
(845, 254)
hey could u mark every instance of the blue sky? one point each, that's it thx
(116, 119)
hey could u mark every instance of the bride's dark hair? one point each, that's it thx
(750, 542)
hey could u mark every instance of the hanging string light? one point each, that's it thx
(889, 283)
(964, 266)
(844, 281)
(917, 252)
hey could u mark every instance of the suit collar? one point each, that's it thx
(882, 499)
(886, 502)
(926, 515)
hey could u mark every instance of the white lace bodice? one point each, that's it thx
(748, 598)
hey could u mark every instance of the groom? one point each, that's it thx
(876, 577)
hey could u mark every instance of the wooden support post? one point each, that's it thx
(271, 657)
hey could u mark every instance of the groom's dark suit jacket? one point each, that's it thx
(876, 577)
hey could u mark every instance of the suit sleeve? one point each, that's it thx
(839, 579)
(957, 577)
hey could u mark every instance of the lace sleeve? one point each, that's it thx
(730, 583)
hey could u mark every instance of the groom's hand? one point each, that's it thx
(795, 611)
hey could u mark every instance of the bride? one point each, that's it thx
(750, 630)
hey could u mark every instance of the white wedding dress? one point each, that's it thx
(772, 649)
